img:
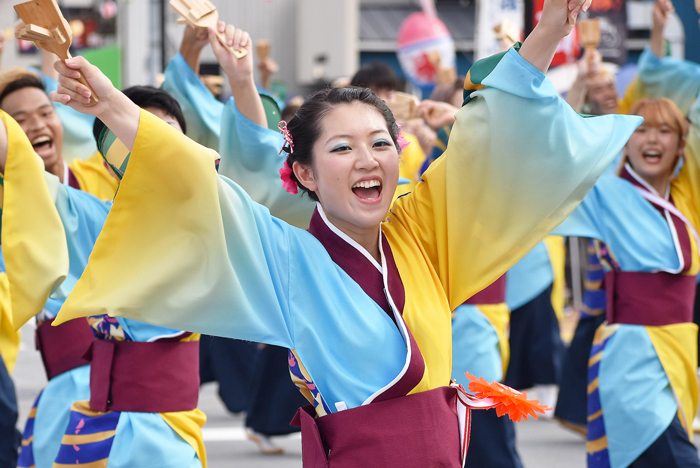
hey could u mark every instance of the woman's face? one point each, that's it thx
(34, 112)
(355, 167)
(602, 92)
(653, 151)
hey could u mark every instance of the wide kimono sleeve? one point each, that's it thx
(48, 229)
(250, 156)
(186, 248)
(201, 109)
(672, 78)
(519, 160)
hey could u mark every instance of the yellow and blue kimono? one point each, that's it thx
(642, 386)
(534, 294)
(641, 380)
(484, 204)
(48, 253)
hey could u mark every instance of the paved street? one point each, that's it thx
(542, 444)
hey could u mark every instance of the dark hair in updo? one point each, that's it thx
(306, 126)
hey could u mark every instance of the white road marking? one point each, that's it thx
(229, 434)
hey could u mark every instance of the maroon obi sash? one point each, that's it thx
(414, 431)
(653, 299)
(495, 293)
(63, 347)
(159, 377)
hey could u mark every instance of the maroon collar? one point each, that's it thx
(627, 173)
(366, 274)
(72, 180)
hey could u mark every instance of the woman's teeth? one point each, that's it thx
(652, 155)
(367, 184)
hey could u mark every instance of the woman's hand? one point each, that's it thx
(554, 25)
(113, 108)
(193, 41)
(556, 14)
(661, 13)
(237, 70)
(436, 114)
(73, 93)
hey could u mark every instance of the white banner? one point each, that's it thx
(507, 15)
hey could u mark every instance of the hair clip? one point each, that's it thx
(287, 136)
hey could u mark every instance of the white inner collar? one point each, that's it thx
(66, 173)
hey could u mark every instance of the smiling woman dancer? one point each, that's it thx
(362, 299)
(642, 387)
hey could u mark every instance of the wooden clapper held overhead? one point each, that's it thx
(203, 14)
(45, 25)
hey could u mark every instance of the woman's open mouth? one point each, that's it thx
(368, 191)
(652, 157)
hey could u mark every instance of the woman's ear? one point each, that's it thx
(305, 175)
(681, 148)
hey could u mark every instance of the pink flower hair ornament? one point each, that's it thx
(286, 172)
(287, 182)
(403, 144)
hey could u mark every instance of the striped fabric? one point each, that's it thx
(597, 444)
(88, 438)
(26, 454)
(594, 292)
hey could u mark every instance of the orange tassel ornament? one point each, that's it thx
(508, 400)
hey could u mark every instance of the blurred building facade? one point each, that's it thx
(311, 39)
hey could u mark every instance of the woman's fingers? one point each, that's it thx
(238, 33)
(577, 6)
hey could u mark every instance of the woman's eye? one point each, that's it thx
(340, 148)
(382, 143)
